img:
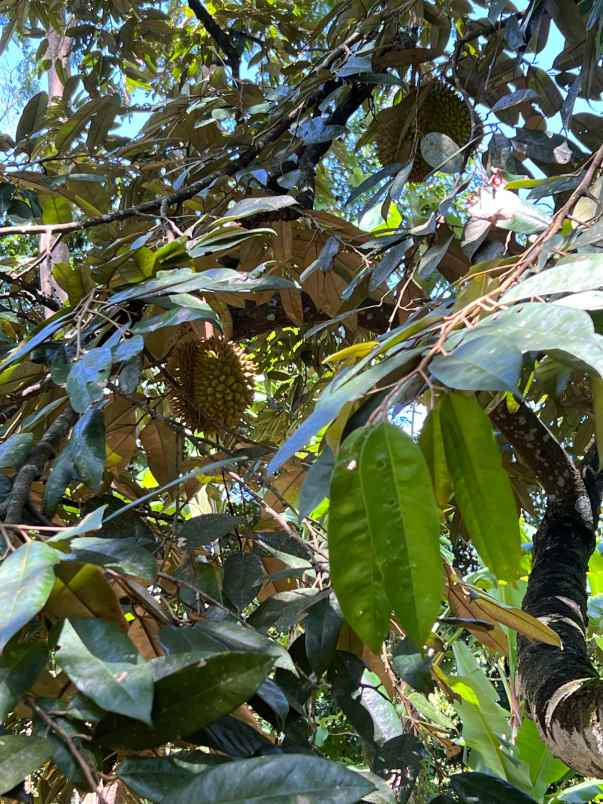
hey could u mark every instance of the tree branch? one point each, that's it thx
(18, 498)
(221, 38)
(560, 686)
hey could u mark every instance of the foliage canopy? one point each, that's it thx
(393, 209)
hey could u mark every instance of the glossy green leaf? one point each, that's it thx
(33, 116)
(88, 447)
(481, 788)
(88, 377)
(384, 537)
(321, 629)
(104, 665)
(572, 275)
(26, 581)
(206, 528)
(44, 333)
(276, 779)
(545, 769)
(222, 635)
(482, 487)
(431, 442)
(20, 756)
(243, 577)
(159, 778)
(127, 555)
(195, 692)
(15, 449)
(317, 482)
(20, 665)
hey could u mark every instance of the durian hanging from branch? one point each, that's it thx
(400, 131)
(212, 385)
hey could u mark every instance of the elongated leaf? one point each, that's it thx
(384, 536)
(104, 665)
(431, 442)
(158, 778)
(26, 581)
(482, 788)
(513, 99)
(285, 778)
(32, 117)
(41, 335)
(88, 377)
(81, 590)
(15, 450)
(544, 767)
(572, 275)
(214, 280)
(517, 619)
(20, 665)
(199, 692)
(20, 756)
(481, 485)
(206, 528)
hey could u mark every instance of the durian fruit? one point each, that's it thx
(435, 106)
(214, 382)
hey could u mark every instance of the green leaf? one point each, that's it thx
(345, 387)
(40, 336)
(61, 475)
(243, 577)
(199, 692)
(384, 536)
(254, 206)
(317, 482)
(20, 756)
(285, 609)
(88, 377)
(126, 555)
(206, 528)
(482, 487)
(284, 778)
(15, 449)
(321, 629)
(481, 788)
(543, 766)
(33, 116)
(159, 778)
(571, 275)
(88, 447)
(20, 665)
(478, 365)
(104, 665)
(26, 581)
(214, 280)
(175, 317)
(217, 636)
(431, 442)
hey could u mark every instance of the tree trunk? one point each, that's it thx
(55, 251)
(560, 687)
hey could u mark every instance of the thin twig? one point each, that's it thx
(85, 768)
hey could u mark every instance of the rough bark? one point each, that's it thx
(560, 687)
(53, 249)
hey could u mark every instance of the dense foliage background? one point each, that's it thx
(319, 600)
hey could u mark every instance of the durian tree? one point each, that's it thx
(301, 395)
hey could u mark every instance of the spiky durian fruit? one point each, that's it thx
(214, 383)
(433, 107)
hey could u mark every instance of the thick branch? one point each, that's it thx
(560, 687)
(255, 319)
(18, 498)
(221, 38)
